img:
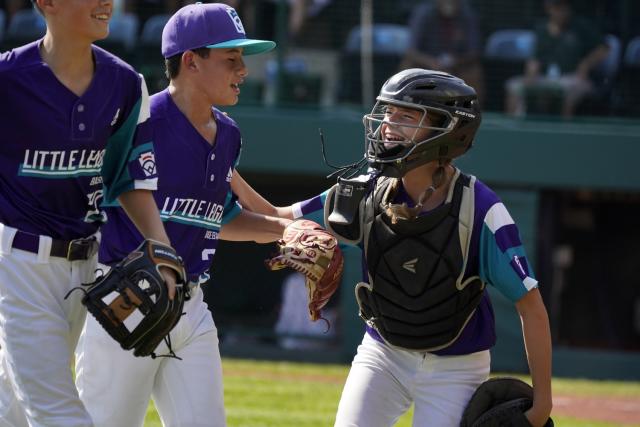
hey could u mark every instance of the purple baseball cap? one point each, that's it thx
(212, 25)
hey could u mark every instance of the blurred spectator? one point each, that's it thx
(445, 37)
(294, 328)
(567, 50)
(301, 10)
(322, 24)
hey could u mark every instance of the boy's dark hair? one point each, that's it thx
(172, 64)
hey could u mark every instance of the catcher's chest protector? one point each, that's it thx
(417, 298)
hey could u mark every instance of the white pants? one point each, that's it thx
(39, 329)
(383, 382)
(116, 386)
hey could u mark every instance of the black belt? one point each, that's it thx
(73, 250)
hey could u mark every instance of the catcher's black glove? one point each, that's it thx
(500, 402)
(131, 301)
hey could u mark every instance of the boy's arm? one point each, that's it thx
(537, 342)
(141, 208)
(251, 200)
(251, 226)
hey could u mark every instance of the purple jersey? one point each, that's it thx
(194, 193)
(62, 154)
(495, 254)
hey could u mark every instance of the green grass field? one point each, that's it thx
(279, 394)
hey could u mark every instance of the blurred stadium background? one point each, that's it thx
(573, 186)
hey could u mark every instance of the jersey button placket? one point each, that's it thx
(80, 123)
(210, 176)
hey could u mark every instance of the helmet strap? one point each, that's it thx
(402, 211)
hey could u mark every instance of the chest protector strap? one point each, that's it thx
(418, 297)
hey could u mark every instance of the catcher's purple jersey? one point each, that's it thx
(194, 194)
(53, 175)
(496, 255)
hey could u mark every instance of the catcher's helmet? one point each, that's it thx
(447, 103)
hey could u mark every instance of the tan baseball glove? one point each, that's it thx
(310, 249)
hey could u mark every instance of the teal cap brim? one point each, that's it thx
(249, 46)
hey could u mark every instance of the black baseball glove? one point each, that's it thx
(500, 402)
(131, 301)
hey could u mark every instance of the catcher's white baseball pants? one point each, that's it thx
(116, 386)
(383, 382)
(39, 329)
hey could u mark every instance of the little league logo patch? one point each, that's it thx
(148, 162)
(236, 20)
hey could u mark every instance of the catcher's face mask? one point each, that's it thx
(395, 131)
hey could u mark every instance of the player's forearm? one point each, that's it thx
(251, 200)
(141, 208)
(537, 340)
(250, 226)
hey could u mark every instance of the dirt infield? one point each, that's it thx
(619, 410)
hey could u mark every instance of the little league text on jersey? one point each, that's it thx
(61, 163)
(201, 213)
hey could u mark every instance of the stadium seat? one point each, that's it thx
(25, 26)
(628, 87)
(608, 69)
(632, 52)
(387, 39)
(505, 55)
(516, 45)
(390, 42)
(604, 76)
(123, 33)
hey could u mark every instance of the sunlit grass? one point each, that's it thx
(282, 394)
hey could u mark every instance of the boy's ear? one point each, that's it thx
(188, 62)
(45, 6)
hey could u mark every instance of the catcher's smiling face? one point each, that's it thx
(221, 74)
(403, 126)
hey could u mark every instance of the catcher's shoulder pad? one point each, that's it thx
(344, 207)
(500, 401)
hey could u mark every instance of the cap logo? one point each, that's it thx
(236, 20)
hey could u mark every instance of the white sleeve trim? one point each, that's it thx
(530, 283)
(145, 106)
(296, 209)
(146, 184)
(497, 217)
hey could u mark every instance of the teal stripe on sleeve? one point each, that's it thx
(115, 173)
(231, 209)
(495, 266)
(142, 148)
(313, 209)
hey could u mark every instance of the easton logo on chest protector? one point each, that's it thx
(410, 265)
